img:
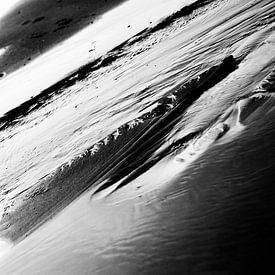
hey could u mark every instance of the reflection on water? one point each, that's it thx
(205, 204)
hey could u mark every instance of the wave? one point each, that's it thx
(133, 148)
(126, 152)
(221, 130)
(169, 114)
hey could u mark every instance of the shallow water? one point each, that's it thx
(186, 188)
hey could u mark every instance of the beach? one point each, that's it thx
(145, 146)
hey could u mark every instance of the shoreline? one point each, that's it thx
(32, 27)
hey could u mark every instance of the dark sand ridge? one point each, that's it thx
(35, 26)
